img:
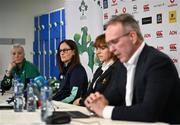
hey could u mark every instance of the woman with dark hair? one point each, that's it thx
(102, 76)
(73, 76)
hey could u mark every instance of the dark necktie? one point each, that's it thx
(99, 73)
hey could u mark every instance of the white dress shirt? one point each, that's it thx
(131, 67)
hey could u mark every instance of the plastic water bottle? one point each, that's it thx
(45, 101)
(31, 100)
(18, 95)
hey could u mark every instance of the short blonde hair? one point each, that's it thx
(18, 46)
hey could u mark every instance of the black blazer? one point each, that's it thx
(101, 80)
(156, 94)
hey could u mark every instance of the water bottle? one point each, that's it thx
(45, 101)
(18, 95)
(31, 100)
(14, 83)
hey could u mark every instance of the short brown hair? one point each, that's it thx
(100, 42)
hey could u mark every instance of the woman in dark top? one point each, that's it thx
(102, 75)
(73, 76)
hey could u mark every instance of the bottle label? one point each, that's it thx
(18, 104)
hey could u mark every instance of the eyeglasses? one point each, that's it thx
(114, 41)
(64, 50)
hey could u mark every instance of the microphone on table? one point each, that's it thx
(38, 84)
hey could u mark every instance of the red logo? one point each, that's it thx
(105, 16)
(172, 32)
(116, 11)
(173, 47)
(124, 9)
(146, 7)
(159, 34)
(114, 2)
(160, 48)
(147, 35)
(172, 1)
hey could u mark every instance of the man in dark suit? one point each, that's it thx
(147, 86)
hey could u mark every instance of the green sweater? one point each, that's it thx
(27, 71)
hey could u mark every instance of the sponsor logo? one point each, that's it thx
(159, 5)
(146, 20)
(160, 48)
(105, 16)
(146, 7)
(83, 8)
(134, 9)
(172, 32)
(173, 47)
(114, 2)
(175, 60)
(98, 3)
(124, 9)
(172, 3)
(147, 35)
(116, 11)
(172, 16)
(105, 4)
(159, 18)
(159, 34)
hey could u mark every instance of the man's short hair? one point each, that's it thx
(18, 46)
(129, 23)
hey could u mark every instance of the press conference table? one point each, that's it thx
(9, 117)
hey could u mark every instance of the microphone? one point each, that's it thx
(55, 85)
(38, 84)
(39, 81)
